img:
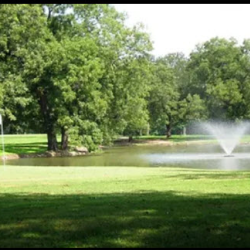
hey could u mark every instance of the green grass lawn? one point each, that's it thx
(175, 137)
(178, 139)
(24, 144)
(182, 138)
(123, 207)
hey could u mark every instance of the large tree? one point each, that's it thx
(169, 105)
(22, 27)
(164, 96)
(218, 75)
(61, 68)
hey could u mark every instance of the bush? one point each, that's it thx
(86, 134)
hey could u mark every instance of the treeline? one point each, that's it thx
(78, 70)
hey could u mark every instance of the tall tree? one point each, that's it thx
(168, 104)
(21, 27)
(216, 74)
(97, 37)
(178, 63)
(164, 96)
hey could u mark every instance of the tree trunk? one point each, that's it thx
(48, 120)
(52, 140)
(148, 129)
(130, 139)
(65, 139)
(184, 131)
(168, 130)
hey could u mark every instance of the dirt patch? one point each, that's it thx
(155, 142)
(139, 142)
(124, 142)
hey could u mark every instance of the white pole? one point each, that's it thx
(1, 123)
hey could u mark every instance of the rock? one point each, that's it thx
(10, 157)
(73, 154)
(81, 149)
(51, 154)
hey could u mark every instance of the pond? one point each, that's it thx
(192, 156)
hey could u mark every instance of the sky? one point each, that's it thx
(180, 27)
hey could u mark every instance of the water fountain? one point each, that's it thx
(209, 155)
(227, 134)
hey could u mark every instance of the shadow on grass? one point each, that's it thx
(206, 176)
(25, 148)
(154, 219)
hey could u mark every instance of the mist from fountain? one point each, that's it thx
(227, 134)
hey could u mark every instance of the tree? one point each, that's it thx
(164, 96)
(123, 53)
(62, 72)
(135, 80)
(21, 26)
(178, 63)
(192, 108)
(216, 74)
(168, 104)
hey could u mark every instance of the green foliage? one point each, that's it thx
(86, 133)
(192, 108)
(164, 95)
(21, 27)
(61, 64)
(77, 69)
(169, 105)
(218, 74)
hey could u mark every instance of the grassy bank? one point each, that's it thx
(123, 207)
(186, 138)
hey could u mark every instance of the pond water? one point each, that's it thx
(191, 156)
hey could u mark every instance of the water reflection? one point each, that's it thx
(230, 163)
(205, 161)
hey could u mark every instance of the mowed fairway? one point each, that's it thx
(123, 207)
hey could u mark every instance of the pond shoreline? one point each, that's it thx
(120, 142)
(47, 154)
(142, 142)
